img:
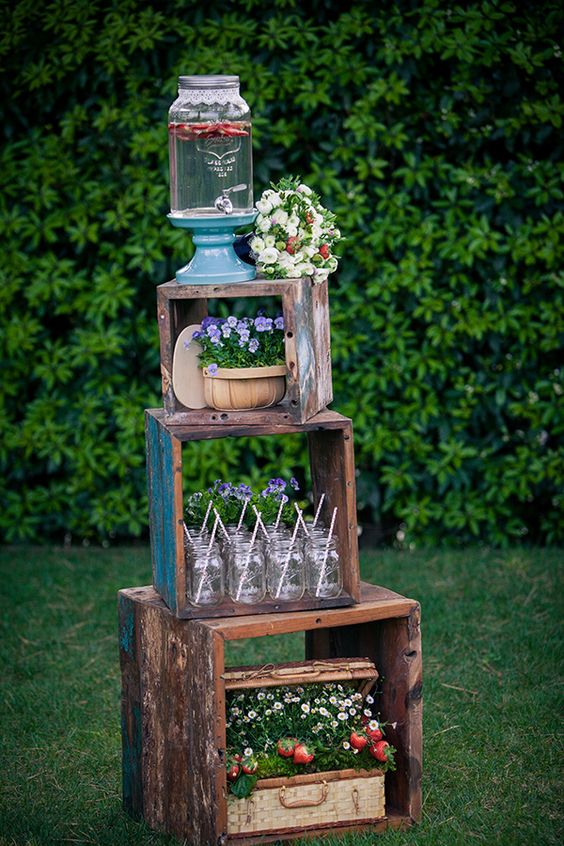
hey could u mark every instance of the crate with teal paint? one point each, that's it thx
(197, 578)
(303, 379)
(180, 693)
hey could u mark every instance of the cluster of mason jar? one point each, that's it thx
(273, 567)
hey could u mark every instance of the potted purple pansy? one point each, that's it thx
(242, 359)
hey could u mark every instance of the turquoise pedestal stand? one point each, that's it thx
(215, 261)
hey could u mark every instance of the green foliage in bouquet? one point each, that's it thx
(433, 131)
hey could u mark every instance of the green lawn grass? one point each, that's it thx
(491, 655)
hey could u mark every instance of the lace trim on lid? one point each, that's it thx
(221, 96)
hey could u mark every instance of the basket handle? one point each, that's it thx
(303, 803)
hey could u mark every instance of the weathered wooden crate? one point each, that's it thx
(305, 307)
(331, 454)
(173, 708)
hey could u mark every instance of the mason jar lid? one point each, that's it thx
(208, 82)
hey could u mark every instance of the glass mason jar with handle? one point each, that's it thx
(209, 130)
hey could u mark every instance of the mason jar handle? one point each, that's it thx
(303, 803)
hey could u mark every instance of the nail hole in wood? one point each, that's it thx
(411, 655)
(214, 416)
(289, 334)
(294, 403)
(224, 416)
(292, 365)
(318, 620)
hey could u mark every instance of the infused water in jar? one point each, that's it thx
(209, 130)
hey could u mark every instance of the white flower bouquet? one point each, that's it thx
(294, 234)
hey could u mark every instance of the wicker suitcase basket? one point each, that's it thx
(278, 805)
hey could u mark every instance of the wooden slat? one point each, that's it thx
(172, 317)
(395, 647)
(400, 661)
(299, 672)
(325, 420)
(331, 456)
(131, 709)
(258, 287)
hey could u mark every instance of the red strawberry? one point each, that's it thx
(358, 741)
(324, 250)
(232, 772)
(238, 758)
(374, 734)
(250, 766)
(378, 750)
(302, 755)
(286, 746)
(291, 244)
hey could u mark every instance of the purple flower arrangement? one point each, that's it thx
(240, 342)
(229, 498)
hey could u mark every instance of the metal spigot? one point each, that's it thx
(223, 203)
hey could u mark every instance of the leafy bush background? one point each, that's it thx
(434, 133)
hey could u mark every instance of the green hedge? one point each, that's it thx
(435, 134)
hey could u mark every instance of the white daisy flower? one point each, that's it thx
(370, 699)
(367, 712)
(356, 751)
(261, 695)
(373, 725)
(248, 752)
(305, 708)
(341, 716)
(333, 700)
(303, 716)
(252, 714)
(347, 703)
(346, 745)
(278, 706)
(334, 723)
(352, 711)
(268, 712)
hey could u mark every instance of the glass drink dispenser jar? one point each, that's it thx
(211, 166)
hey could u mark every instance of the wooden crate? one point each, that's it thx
(173, 707)
(331, 453)
(305, 307)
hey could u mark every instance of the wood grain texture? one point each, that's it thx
(131, 709)
(173, 708)
(177, 782)
(300, 672)
(376, 604)
(331, 456)
(305, 307)
(332, 468)
(164, 478)
(325, 420)
(394, 645)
